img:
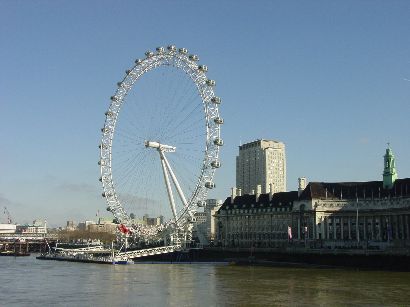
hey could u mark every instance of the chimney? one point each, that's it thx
(233, 195)
(301, 185)
(239, 191)
(270, 191)
(258, 192)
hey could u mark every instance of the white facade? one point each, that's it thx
(353, 212)
(7, 228)
(262, 162)
(205, 222)
(38, 227)
(212, 206)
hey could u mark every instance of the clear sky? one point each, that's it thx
(328, 78)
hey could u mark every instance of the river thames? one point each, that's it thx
(27, 281)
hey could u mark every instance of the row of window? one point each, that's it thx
(256, 210)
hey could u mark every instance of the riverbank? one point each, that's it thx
(321, 258)
(399, 261)
(291, 258)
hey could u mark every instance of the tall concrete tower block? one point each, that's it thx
(261, 162)
(389, 173)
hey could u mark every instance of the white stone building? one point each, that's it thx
(351, 213)
(204, 229)
(261, 162)
(372, 214)
(212, 206)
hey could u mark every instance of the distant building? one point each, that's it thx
(85, 225)
(38, 227)
(261, 162)
(204, 225)
(105, 220)
(70, 226)
(199, 230)
(152, 221)
(212, 206)
(7, 228)
(105, 227)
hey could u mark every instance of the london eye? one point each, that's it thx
(160, 142)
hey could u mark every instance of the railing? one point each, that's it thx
(28, 236)
(89, 249)
(148, 252)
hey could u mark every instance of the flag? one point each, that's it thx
(124, 229)
(290, 233)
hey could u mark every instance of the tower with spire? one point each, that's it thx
(389, 173)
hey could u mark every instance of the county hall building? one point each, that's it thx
(320, 214)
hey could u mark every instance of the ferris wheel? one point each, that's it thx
(161, 138)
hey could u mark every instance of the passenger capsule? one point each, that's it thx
(109, 209)
(119, 84)
(203, 68)
(209, 185)
(172, 48)
(218, 120)
(160, 49)
(101, 162)
(109, 114)
(103, 146)
(106, 194)
(127, 72)
(105, 130)
(183, 50)
(216, 100)
(194, 57)
(201, 203)
(138, 61)
(218, 142)
(149, 54)
(216, 164)
(114, 98)
(100, 179)
(211, 82)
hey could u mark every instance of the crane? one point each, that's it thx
(7, 213)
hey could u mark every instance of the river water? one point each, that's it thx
(27, 281)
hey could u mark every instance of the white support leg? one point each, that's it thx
(176, 183)
(169, 189)
(166, 168)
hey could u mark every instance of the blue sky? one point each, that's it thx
(328, 78)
